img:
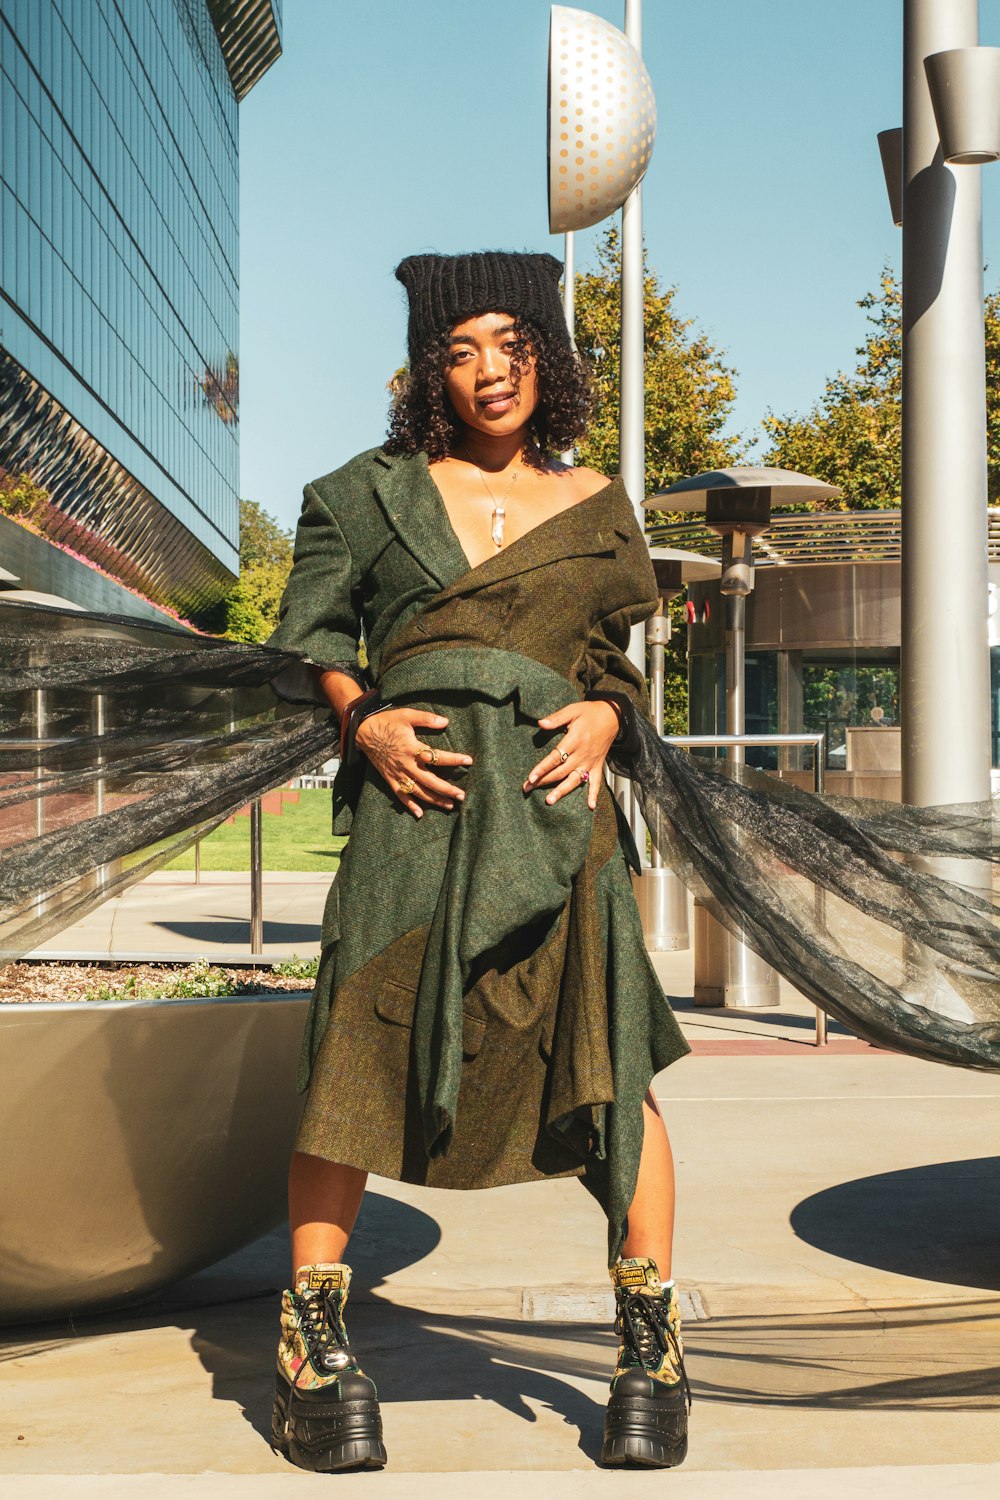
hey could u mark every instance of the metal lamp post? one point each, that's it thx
(736, 504)
(602, 125)
(951, 120)
(660, 894)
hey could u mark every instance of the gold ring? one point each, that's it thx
(429, 754)
(406, 786)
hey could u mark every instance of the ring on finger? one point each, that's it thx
(406, 785)
(584, 777)
(429, 754)
(564, 756)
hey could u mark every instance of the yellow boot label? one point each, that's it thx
(630, 1276)
(332, 1278)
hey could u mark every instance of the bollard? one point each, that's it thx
(256, 878)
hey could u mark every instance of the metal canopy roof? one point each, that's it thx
(249, 33)
(812, 537)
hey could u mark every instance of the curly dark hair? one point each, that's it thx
(421, 416)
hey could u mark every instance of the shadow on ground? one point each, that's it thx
(219, 929)
(920, 1358)
(753, 1017)
(938, 1222)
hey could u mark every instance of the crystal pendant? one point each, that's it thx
(499, 516)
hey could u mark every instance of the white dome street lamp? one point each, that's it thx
(602, 119)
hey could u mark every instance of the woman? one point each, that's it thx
(484, 1012)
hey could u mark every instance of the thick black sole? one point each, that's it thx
(644, 1433)
(341, 1434)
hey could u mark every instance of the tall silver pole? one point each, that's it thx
(945, 652)
(569, 283)
(736, 614)
(632, 391)
(569, 306)
(41, 731)
(256, 878)
(750, 982)
(100, 730)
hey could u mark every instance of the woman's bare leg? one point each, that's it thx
(323, 1202)
(651, 1216)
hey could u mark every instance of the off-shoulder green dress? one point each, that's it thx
(485, 1011)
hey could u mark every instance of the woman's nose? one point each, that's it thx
(491, 364)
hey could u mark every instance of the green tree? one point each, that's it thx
(852, 435)
(22, 495)
(689, 396)
(689, 386)
(249, 611)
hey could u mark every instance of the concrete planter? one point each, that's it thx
(140, 1141)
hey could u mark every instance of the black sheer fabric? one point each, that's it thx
(882, 915)
(120, 743)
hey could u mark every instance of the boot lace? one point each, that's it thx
(644, 1324)
(323, 1331)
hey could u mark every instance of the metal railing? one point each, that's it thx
(783, 741)
(41, 740)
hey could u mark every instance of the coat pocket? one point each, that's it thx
(395, 1003)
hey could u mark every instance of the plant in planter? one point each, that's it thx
(146, 1117)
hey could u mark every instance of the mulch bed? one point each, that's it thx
(71, 981)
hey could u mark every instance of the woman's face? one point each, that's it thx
(486, 393)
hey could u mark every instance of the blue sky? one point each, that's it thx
(395, 126)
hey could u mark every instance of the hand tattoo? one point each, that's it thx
(385, 741)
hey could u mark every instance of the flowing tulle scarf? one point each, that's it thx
(121, 742)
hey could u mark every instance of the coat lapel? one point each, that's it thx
(416, 513)
(414, 509)
(594, 526)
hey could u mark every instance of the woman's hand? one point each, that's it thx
(389, 740)
(591, 730)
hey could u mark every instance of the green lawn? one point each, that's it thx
(300, 839)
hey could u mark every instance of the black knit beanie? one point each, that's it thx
(446, 289)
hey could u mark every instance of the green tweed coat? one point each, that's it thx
(485, 1011)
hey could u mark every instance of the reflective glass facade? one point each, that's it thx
(119, 176)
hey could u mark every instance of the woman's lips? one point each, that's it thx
(498, 404)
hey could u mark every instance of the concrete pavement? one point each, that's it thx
(170, 915)
(838, 1237)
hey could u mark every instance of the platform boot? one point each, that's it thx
(647, 1417)
(326, 1411)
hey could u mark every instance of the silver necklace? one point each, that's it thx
(499, 505)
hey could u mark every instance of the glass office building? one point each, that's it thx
(119, 294)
